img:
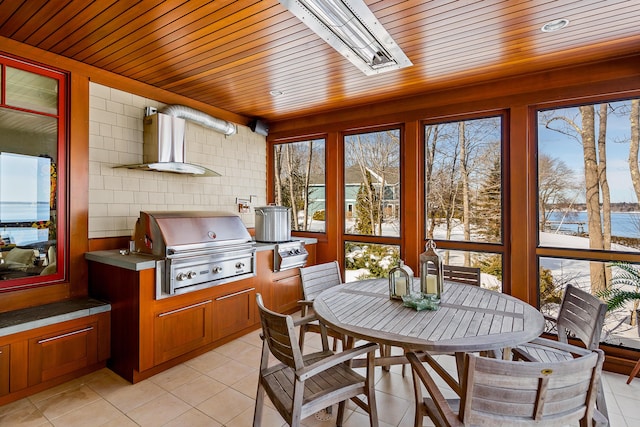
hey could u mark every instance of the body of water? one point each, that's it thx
(623, 224)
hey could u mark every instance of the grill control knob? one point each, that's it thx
(191, 274)
(240, 265)
(182, 276)
(216, 270)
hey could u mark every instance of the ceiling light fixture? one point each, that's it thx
(352, 29)
(555, 25)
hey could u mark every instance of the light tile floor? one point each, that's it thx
(218, 389)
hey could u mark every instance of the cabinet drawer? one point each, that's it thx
(62, 352)
(181, 329)
(286, 293)
(234, 311)
(4, 369)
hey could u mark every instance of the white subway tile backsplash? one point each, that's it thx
(141, 198)
(156, 199)
(118, 195)
(114, 107)
(96, 182)
(120, 96)
(105, 129)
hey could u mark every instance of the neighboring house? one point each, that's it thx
(353, 180)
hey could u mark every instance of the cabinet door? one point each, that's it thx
(234, 312)
(286, 292)
(180, 330)
(62, 352)
(4, 369)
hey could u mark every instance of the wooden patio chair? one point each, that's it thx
(300, 386)
(581, 316)
(459, 274)
(503, 393)
(315, 279)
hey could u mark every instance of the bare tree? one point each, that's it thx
(459, 158)
(376, 154)
(277, 164)
(305, 192)
(556, 186)
(634, 143)
(584, 130)
(464, 174)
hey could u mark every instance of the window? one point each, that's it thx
(32, 158)
(372, 183)
(369, 260)
(299, 171)
(464, 187)
(588, 212)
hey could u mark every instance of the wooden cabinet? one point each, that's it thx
(181, 329)
(35, 359)
(281, 290)
(150, 335)
(234, 311)
(4, 369)
(61, 352)
(286, 292)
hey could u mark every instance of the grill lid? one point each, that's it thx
(166, 233)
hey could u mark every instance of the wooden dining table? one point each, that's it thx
(468, 319)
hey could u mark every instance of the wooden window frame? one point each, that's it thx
(502, 248)
(62, 167)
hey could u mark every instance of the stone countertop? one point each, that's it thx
(136, 261)
(26, 319)
(124, 259)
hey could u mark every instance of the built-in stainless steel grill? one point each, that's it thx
(198, 249)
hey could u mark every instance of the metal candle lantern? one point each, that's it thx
(400, 280)
(431, 279)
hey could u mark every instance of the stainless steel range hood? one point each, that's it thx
(164, 148)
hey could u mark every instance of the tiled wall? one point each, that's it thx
(116, 196)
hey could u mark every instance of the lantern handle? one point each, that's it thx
(431, 244)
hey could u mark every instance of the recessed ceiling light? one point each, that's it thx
(276, 92)
(555, 25)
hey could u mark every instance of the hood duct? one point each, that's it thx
(164, 148)
(195, 116)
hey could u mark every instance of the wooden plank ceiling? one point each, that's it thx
(232, 54)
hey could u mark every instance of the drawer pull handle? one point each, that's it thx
(178, 310)
(235, 294)
(65, 335)
(287, 278)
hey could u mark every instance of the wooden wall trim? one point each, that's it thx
(78, 194)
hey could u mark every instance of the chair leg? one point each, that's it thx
(303, 329)
(634, 372)
(257, 413)
(371, 391)
(340, 416)
(601, 403)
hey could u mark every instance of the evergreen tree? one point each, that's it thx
(366, 208)
(487, 212)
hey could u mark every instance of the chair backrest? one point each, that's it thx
(317, 278)
(459, 274)
(583, 315)
(279, 334)
(505, 393)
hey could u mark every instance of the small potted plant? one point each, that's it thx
(625, 287)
